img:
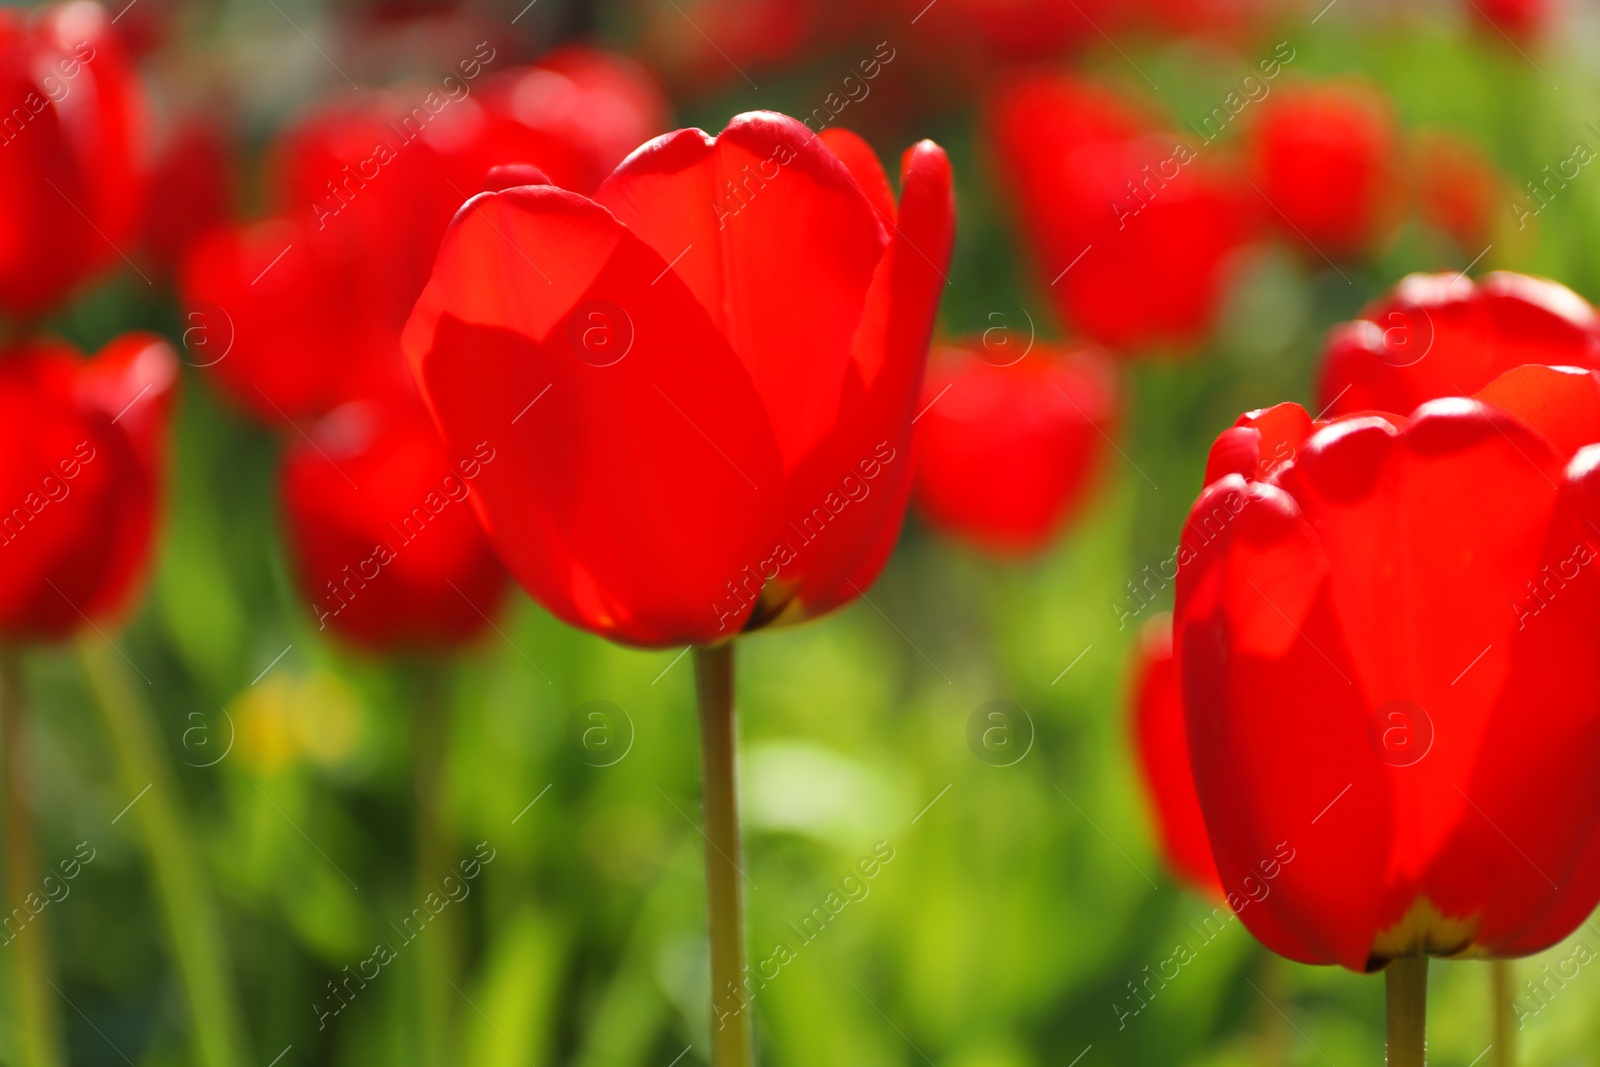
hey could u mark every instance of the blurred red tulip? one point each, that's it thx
(702, 45)
(1133, 230)
(1386, 637)
(150, 30)
(1323, 156)
(191, 190)
(313, 301)
(726, 347)
(85, 447)
(290, 326)
(1521, 20)
(72, 129)
(1214, 18)
(1442, 335)
(1011, 29)
(1162, 742)
(576, 115)
(387, 547)
(1039, 118)
(1007, 450)
(1458, 190)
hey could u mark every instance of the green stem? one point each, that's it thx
(191, 919)
(1502, 983)
(730, 1008)
(435, 962)
(1406, 992)
(37, 1018)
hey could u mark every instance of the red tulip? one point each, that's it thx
(1386, 634)
(1323, 157)
(1458, 190)
(313, 301)
(148, 27)
(1134, 231)
(1036, 119)
(576, 114)
(706, 44)
(71, 174)
(388, 551)
(85, 447)
(709, 45)
(1010, 29)
(284, 331)
(1215, 18)
(1521, 20)
(1162, 744)
(1444, 335)
(1006, 452)
(724, 347)
(191, 190)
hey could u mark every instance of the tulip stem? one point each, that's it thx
(730, 1011)
(1406, 992)
(1502, 981)
(37, 1019)
(194, 931)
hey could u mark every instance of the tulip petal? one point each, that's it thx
(1259, 442)
(114, 128)
(1562, 403)
(1517, 850)
(1162, 741)
(865, 169)
(737, 216)
(889, 356)
(87, 442)
(130, 382)
(1277, 781)
(1444, 335)
(46, 247)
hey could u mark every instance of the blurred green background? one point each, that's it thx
(1020, 901)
